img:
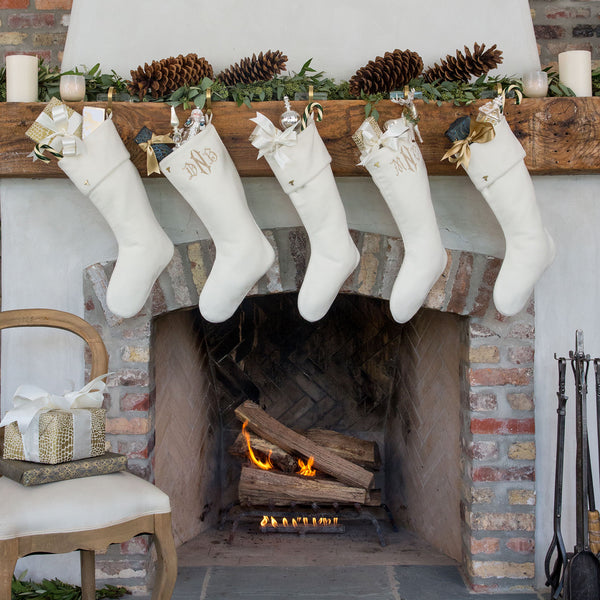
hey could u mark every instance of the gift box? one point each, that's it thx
(44, 127)
(29, 473)
(160, 149)
(58, 436)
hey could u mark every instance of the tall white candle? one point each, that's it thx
(21, 78)
(575, 71)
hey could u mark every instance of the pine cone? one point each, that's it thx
(250, 70)
(389, 72)
(161, 77)
(464, 66)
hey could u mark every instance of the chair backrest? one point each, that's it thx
(47, 317)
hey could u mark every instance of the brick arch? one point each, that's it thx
(496, 373)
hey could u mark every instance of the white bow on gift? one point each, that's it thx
(393, 137)
(62, 141)
(30, 402)
(270, 141)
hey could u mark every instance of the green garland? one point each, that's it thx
(459, 93)
(55, 589)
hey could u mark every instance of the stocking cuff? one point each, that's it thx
(307, 158)
(101, 153)
(492, 160)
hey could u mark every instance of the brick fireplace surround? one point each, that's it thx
(496, 512)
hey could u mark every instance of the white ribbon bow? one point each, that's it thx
(30, 401)
(270, 141)
(391, 139)
(63, 127)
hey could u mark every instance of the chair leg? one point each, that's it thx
(87, 560)
(166, 567)
(9, 553)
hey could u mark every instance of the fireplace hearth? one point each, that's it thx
(446, 397)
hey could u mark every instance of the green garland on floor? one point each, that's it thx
(55, 589)
(460, 93)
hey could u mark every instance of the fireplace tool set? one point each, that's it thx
(576, 575)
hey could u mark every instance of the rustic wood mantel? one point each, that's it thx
(560, 135)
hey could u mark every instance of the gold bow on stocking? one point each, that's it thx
(479, 133)
(151, 160)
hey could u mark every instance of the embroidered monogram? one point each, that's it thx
(200, 162)
(407, 159)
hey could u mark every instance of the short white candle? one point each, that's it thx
(575, 71)
(72, 88)
(21, 78)
(535, 84)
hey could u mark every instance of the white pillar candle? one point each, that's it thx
(72, 88)
(575, 71)
(21, 78)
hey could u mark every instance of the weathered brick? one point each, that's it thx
(484, 354)
(484, 294)
(11, 38)
(135, 354)
(14, 3)
(498, 569)
(521, 497)
(520, 401)
(501, 521)
(136, 448)
(30, 20)
(120, 425)
(462, 281)
(487, 545)
(568, 13)
(135, 402)
(437, 295)
(583, 31)
(549, 32)
(522, 451)
(129, 377)
(502, 426)
(369, 263)
(53, 4)
(488, 377)
(482, 401)
(521, 545)
(520, 355)
(483, 450)
(482, 495)
(477, 330)
(45, 40)
(504, 474)
(522, 331)
(137, 545)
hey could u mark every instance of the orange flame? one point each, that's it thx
(264, 521)
(265, 466)
(306, 468)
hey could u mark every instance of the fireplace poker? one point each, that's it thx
(554, 578)
(582, 572)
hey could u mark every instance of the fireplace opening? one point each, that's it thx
(355, 372)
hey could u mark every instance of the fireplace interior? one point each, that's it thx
(356, 372)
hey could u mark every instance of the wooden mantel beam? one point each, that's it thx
(560, 135)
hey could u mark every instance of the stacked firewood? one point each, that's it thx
(342, 463)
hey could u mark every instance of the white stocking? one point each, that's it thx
(399, 172)
(204, 174)
(103, 172)
(498, 171)
(308, 180)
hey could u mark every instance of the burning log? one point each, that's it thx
(281, 460)
(324, 460)
(360, 452)
(265, 488)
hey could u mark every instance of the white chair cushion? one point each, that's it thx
(76, 504)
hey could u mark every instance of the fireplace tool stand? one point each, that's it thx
(311, 519)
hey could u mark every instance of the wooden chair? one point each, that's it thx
(85, 514)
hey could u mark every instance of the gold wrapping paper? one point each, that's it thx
(56, 436)
(37, 131)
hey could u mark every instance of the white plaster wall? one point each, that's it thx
(58, 232)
